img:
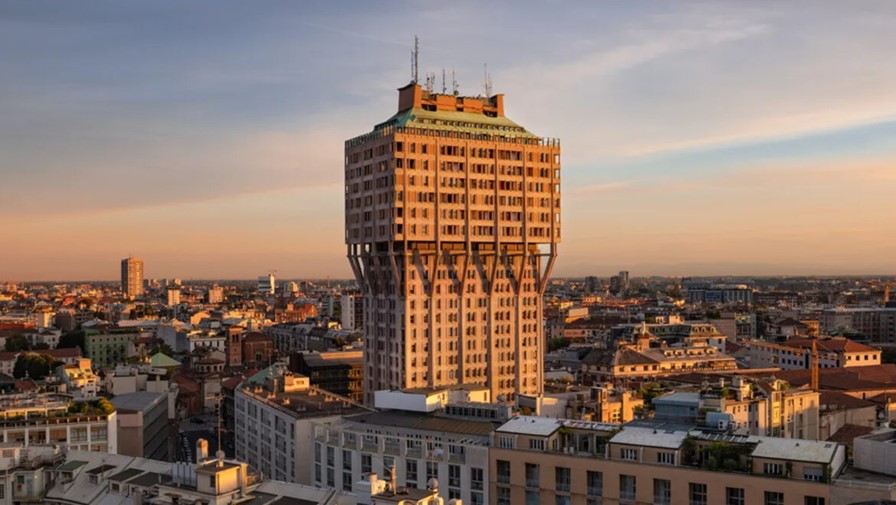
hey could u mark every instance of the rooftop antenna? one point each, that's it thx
(488, 82)
(444, 88)
(415, 56)
(453, 83)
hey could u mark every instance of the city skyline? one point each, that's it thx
(698, 139)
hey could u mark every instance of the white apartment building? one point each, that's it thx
(274, 432)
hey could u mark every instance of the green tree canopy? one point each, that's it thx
(36, 366)
(72, 339)
(16, 343)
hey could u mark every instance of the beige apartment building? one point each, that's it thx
(131, 277)
(452, 220)
(551, 461)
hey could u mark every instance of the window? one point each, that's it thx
(331, 477)
(774, 498)
(562, 500)
(562, 478)
(503, 472)
(627, 487)
(506, 442)
(734, 496)
(813, 500)
(211, 481)
(536, 444)
(595, 481)
(813, 474)
(410, 469)
(629, 454)
(317, 451)
(772, 468)
(454, 475)
(533, 498)
(503, 496)
(662, 492)
(532, 477)
(476, 498)
(366, 463)
(667, 458)
(476, 478)
(346, 481)
(432, 470)
(346, 460)
(697, 493)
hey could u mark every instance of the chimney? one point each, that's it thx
(201, 451)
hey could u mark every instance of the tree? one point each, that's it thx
(557, 343)
(72, 339)
(16, 343)
(36, 366)
(163, 348)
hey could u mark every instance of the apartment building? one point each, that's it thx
(877, 324)
(411, 447)
(763, 407)
(550, 461)
(273, 417)
(41, 419)
(647, 359)
(452, 220)
(796, 353)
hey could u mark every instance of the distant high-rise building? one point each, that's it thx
(132, 277)
(452, 223)
(267, 284)
(215, 294)
(173, 295)
(352, 308)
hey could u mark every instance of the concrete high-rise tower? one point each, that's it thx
(131, 277)
(452, 217)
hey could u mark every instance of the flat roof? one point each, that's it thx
(670, 438)
(139, 401)
(679, 397)
(530, 425)
(415, 421)
(794, 449)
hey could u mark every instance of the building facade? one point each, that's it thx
(452, 216)
(550, 461)
(273, 417)
(131, 277)
(38, 419)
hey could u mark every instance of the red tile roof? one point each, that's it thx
(829, 344)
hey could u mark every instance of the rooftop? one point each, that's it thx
(530, 425)
(665, 438)
(424, 422)
(141, 401)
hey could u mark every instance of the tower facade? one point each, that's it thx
(452, 220)
(131, 277)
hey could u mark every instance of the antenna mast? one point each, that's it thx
(488, 82)
(454, 86)
(444, 88)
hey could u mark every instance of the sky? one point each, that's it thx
(698, 138)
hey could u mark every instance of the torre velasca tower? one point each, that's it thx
(452, 219)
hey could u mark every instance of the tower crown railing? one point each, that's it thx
(391, 130)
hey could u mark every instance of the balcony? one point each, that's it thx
(393, 448)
